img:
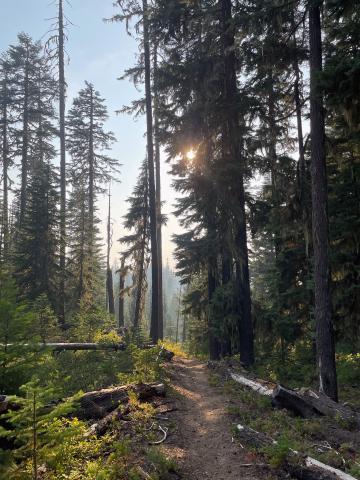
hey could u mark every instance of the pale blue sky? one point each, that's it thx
(99, 52)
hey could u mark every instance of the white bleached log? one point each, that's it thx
(256, 386)
(311, 462)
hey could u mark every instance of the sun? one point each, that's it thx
(190, 154)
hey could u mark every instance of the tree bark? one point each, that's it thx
(155, 328)
(62, 89)
(325, 342)
(158, 200)
(121, 293)
(302, 163)
(246, 340)
(141, 271)
(109, 275)
(91, 171)
(214, 344)
(5, 163)
(82, 246)
(25, 141)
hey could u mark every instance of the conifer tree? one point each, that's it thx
(142, 11)
(88, 143)
(341, 69)
(137, 241)
(6, 148)
(78, 268)
(36, 254)
(56, 49)
(25, 61)
(325, 341)
(90, 170)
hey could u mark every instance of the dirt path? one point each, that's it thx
(202, 444)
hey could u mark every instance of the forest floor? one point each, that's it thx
(201, 443)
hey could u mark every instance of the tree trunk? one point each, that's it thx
(226, 274)
(184, 329)
(82, 246)
(246, 340)
(158, 201)
(25, 141)
(109, 275)
(301, 148)
(62, 89)
(5, 160)
(325, 342)
(110, 291)
(214, 344)
(155, 331)
(178, 316)
(141, 268)
(91, 187)
(121, 293)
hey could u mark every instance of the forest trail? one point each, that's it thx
(202, 445)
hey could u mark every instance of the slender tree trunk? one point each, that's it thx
(62, 90)
(141, 271)
(246, 340)
(5, 162)
(301, 147)
(158, 201)
(121, 293)
(226, 274)
(39, 167)
(25, 144)
(214, 344)
(178, 316)
(91, 179)
(325, 342)
(184, 329)
(109, 275)
(155, 331)
(297, 90)
(82, 245)
(272, 153)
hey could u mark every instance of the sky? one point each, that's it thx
(99, 52)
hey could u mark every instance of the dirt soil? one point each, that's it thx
(202, 442)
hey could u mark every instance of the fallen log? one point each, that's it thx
(103, 425)
(62, 346)
(256, 386)
(291, 400)
(305, 468)
(307, 403)
(303, 473)
(164, 354)
(98, 404)
(304, 402)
